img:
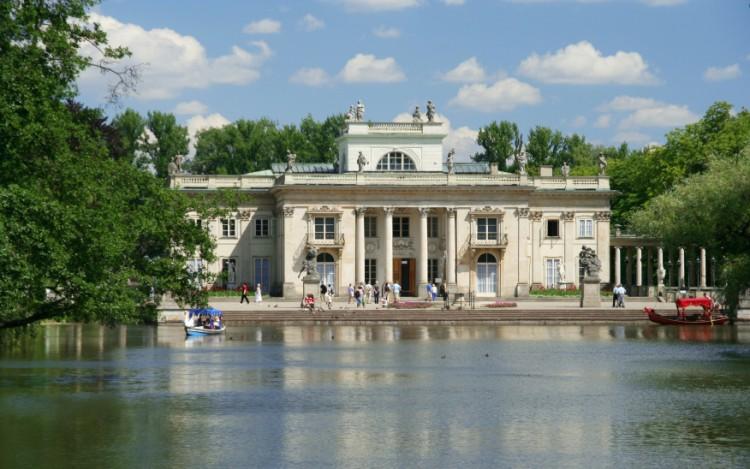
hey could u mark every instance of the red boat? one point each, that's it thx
(708, 316)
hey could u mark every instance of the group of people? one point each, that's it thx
(245, 289)
(204, 320)
(433, 291)
(618, 296)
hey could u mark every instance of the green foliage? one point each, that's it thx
(544, 146)
(84, 235)
(130, 125)
(246, 146)
(169, 139)
(500, 142)
(709, 210)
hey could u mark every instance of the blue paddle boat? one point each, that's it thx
(210, 316)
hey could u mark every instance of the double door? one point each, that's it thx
(405, 273)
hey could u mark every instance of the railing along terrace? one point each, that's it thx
(395, 127)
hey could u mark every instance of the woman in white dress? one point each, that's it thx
(258, 294)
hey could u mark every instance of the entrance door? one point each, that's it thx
(487, 274)
(327, 269)
(405, 273)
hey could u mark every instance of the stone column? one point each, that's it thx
(628, 281)
(639, 268)
(388, 248)
(359, 269)
(522, 253)
(660, 272)
(422, 257)
(703, 268)
(537, 274)
(450, 262)
(681, 278)
(289, 246)
(618, 260)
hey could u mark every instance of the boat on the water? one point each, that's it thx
(204, 321)
(708, 315)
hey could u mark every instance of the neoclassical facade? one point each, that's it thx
(392, 209)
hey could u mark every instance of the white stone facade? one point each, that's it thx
(406, 218)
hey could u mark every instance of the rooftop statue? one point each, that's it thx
(602, 164)
(451, 161)
(522, 160)
(350, 113)
(360, 111)
(290, 159)
(430, 112)
(565, 169)
(361, 162)
(416, 115)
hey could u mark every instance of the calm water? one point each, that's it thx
(410, 396)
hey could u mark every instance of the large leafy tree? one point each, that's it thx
(84, 235)
(544, 147)
(710, 210)
(130, 125)
(500, 141)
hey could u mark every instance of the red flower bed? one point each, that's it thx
(502, 304)
(410, 304)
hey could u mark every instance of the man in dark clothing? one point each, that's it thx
(323, 291)
(245, 288)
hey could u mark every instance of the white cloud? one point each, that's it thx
(200, 122)
(190, 108)
(578, 121)
(663, 3)
(379, 5)
(632, 138)
(666, 115)
(310, 77)
(311, 23)
(386, 33)
(366, 68)
(583, 64)
(468, 71)
(628, 103)
(503, 95)
(264, 26)
(454, 2)
(603, 121)
(730, 72)
(462, 139)
(172, 62)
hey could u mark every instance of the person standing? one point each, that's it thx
(396, 292)
(323, 291)
(329, 298)
(358, 296)
(258, 294)
(368, 293)
(376, 293)
(386, 294)
(428, 288)
(351, 294)
(433, 292)
(244, 289)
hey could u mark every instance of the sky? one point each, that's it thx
(612, 70)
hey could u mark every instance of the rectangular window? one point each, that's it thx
(198, 222)
(586, 228)
(400, 227)
(371, 227)
(433, 269)
(371, 269)
(432, 227)
(324, 227)
(261, 227)
(487, 229)
(552, 271)
(553, 228)
(228, 228)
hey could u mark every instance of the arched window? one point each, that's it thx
(487, 274)
(327, 269)
(396, 161)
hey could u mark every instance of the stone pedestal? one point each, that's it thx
(590, 293)
(310, 284)
(522, 290)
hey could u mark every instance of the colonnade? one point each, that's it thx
(645, 266)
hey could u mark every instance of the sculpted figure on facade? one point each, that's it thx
(350, 113)
(361, 162)
(561, 272)
(360, 111)
(310, 264)
(416, 116)
(602, 164)
(290, 159)
(589, 262)
(522, 160)
(565, 169)
(430, 112)
(451, 163)
(172, 168)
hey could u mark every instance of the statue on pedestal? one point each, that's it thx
(310, 264)
(451, 163)
(416, 116)
(602, 164)
(290, 159)
(430, 112)
(350, 113)
(590, 263)
(565, 169)
(361, 162)
(522, 160)
(360, 111)
(561, 272)
(172, 168)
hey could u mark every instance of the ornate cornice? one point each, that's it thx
(488, 211)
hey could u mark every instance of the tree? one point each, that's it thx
(169, 139)
(500, 142)
(544, 147)
(709, 210)
(130, 125)
(84, 235)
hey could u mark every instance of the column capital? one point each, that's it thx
(287, 212)
(451, 212)
(535, 216)
(522, 212)
(360, 211)
(424, 211)
(568, 216)
(389, 210)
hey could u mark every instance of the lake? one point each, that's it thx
(377, 396)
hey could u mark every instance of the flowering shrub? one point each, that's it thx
(540, 290)
(501, 304)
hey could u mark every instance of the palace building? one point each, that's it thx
(393, 208)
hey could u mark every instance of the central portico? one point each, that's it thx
(394, 208)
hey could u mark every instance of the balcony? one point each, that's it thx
(501, 242)
(336, 243)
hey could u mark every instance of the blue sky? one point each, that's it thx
(610, 70)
